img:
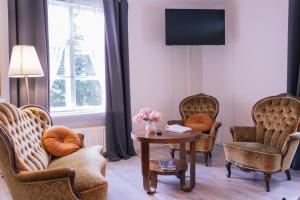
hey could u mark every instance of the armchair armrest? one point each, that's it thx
(289, 149)
(44, 175)
(179, 122)
(295, 136)
(214, 129)
(59, 174)
(243, 134)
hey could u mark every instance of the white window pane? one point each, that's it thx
(88, 93)
(77, 59)
(58, 22)
(83, 63)
(64, 63)
(58, 93)
(69, 96)
(59, 30)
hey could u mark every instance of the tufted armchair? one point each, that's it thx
(271, 144)
(200, 103)
(29, 171)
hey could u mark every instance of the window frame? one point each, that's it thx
(70, 76)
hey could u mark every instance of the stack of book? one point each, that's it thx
(167, 164)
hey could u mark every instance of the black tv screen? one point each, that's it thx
(195, 27)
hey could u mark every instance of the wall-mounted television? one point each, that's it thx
(195, 27)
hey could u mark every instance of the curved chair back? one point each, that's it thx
(276, 118)
(200, 103)
(21, 130)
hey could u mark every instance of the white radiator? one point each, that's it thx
(93, 136)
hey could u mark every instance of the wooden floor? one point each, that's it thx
(125, 182)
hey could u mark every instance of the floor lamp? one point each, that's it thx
(24, 63)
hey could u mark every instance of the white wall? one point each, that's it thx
(260, 57)
(4, 57)
(159, 73)
(250, 66)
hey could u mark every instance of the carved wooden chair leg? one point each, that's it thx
(228, 167)
(206, 158)
(210, 154)
(172, 152)
(287, 172)
(267, 179)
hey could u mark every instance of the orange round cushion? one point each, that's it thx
(61, 141)
(200, 121)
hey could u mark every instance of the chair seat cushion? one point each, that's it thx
(89, 166)
(253, 156)
(201, 122)
(61, 141)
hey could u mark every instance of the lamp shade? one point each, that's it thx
(24, 62)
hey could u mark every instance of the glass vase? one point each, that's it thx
(150, 127)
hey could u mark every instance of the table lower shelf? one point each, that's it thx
(155, 168)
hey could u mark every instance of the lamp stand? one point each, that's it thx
(27, 91)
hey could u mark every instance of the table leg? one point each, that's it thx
(182, 156)
(192, 164)
(149, 179)
(184, 186)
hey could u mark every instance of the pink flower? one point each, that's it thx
(138, 119)
(146, 114)
(155, 116)
(146, 111)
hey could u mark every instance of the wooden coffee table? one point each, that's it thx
(151, 168)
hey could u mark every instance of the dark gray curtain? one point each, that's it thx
(28, 26)
(118, 111)
(293, 83)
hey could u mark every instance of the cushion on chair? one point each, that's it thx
(200, 121)
(89, 168)
(61, 141)
(253, 156)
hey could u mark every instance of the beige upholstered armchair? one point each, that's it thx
(270, 145)
(29, 171)
(200, 103)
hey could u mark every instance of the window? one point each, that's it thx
(76, 46)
